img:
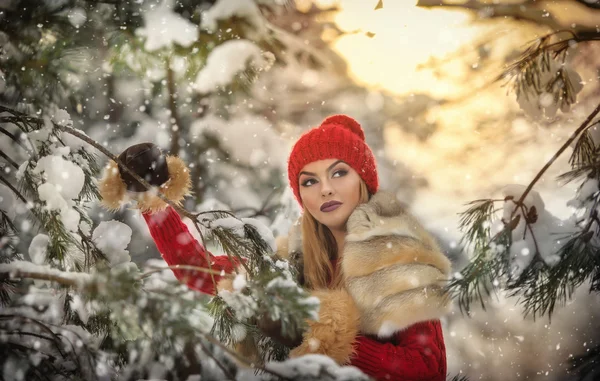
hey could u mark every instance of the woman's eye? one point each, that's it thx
(307, 183)
(340, 173)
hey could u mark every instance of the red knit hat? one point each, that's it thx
(338, 137)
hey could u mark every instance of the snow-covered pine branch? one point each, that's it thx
(527, 251)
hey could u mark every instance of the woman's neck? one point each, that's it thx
(340, 237)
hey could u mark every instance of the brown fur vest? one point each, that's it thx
(394, 275)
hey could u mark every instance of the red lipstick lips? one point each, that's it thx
(330, 206)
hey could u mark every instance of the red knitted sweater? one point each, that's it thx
(417, 353)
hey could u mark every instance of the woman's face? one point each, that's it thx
(330, 190)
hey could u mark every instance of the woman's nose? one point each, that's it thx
(326, 189)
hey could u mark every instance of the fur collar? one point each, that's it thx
(393, 268)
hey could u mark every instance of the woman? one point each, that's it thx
(378, 273)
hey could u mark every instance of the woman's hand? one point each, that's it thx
(272, 329)
(334, 333)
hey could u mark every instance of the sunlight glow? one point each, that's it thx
(404, 37)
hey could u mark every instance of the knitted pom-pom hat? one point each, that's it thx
(338, 137)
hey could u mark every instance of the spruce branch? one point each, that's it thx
(473, 220)
(20, 325)
(8, 133)
(584, 149)
(14, 190)
(9, 160)
(584, 126)
(480, 277)
(549, 285)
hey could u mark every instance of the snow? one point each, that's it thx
(243, 305)
(315, 366)
(586, 191)
(77, 17)
(74, 142)
(160, 279)
(238, 333)
(547, 234)
(80, 307)
(544, 104)
(265, 233)
(38, 249)
(112, 238)
(315, 302)
(25, 266)
(41, 136)
(236, 226)
(239, 282)
(281, 282)
(70, 219)
(226, 9)
(249, 139)
(66, 177)
(163, 28)
(50, 194)
(62, 118)
(225, 62)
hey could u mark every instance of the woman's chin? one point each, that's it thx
(333, 221)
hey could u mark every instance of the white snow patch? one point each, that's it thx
(226, 9)
(163, 28)
(226, 61)
(112, 238)
(67, 178)
(550, 232)
(544, 104)
(38, 249)
(239, 282)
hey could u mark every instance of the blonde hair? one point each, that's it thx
(319, 247)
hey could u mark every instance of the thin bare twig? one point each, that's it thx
(178, 267)
(239, 358)
(210, 354)
(99, 147)
(15, 273)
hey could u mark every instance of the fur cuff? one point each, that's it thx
(113, 191)
(334, 333)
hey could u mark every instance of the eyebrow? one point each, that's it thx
(328, 169)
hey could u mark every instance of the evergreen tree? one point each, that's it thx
(76, 307)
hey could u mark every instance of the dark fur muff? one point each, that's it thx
(147, 161)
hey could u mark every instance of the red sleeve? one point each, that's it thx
(418, 353)
(178, 247)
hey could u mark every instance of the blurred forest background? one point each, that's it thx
(424, 79)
